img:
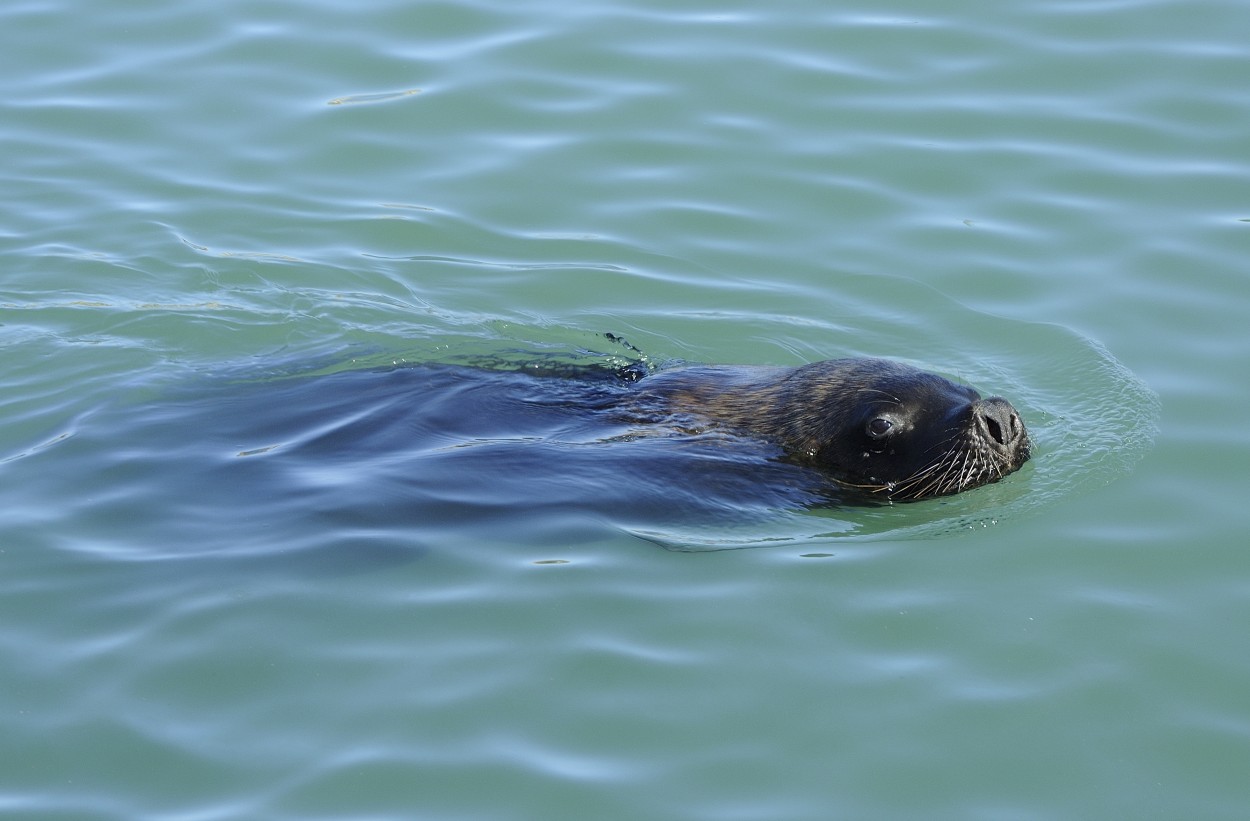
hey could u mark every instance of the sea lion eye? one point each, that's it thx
(879, 427)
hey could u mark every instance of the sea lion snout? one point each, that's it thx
(999, 423)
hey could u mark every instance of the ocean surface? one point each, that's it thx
(252, 567)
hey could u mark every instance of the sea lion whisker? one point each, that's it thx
(889, 397)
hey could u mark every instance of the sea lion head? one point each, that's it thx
(877, 428)
(895, 432)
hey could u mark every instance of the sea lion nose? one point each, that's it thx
(998, 420)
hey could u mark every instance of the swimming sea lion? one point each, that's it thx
(874, 426)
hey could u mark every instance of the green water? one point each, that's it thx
(1050, 201)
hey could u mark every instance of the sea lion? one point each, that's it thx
(876, 427)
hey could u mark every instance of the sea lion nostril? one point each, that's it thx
(995, 429)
